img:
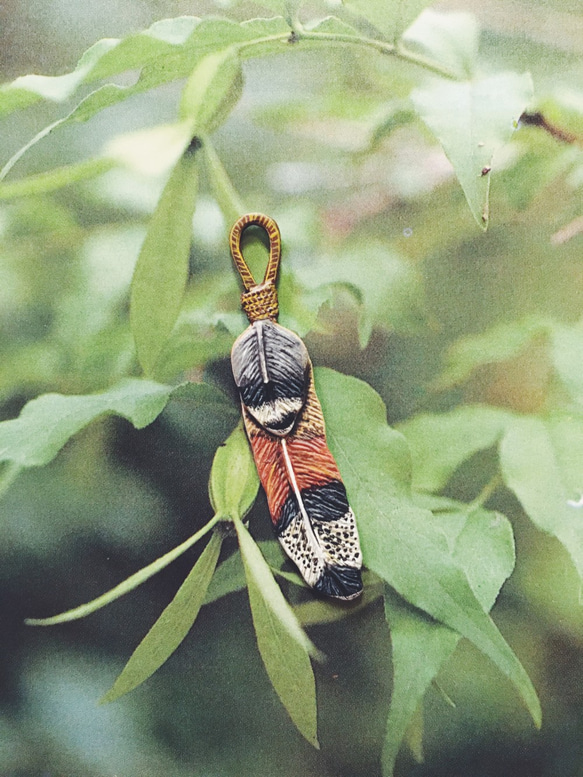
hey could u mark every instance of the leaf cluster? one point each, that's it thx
(141, 317)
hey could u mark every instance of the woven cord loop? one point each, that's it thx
(259, 300)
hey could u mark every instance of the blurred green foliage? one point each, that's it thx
(337, 119)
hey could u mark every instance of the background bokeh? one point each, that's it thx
(306, 143)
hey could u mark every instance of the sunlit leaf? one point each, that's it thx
(451, 39)
(171, 627)
(212, 90)
(162, 268)
(46, 423)
(234, 481)
(404, 544)
(284, 647)
(167, 51)
(440, 442)
(486, 113)
(542, 462)
(153, 151)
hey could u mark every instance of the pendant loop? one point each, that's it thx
(269, 225)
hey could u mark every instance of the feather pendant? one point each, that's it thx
(285, 425)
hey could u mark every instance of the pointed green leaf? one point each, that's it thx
(283, 645)
(234, 482)
(391, 17)
(472, 120)
(404, 544)
(441, 442)
(55, 179)
(420, 645)
(162, 268)
(105, 58)
(450, 39)
(483, 545)
(171, 627)
(167, 51)
(46, 423)
(542, 462)
(212, 90)
(230, 576)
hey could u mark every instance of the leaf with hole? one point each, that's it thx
(472, 120)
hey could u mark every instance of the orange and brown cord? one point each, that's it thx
(259, 300)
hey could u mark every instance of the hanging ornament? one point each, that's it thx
(285, 426)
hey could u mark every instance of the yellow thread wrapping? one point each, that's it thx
(260, 302)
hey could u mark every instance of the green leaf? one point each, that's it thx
(154, 151)
(230, 576)
(441, 442)
(402, 543)
(168, 50)
(420, 646)
(483, 544)
(55, 179)
(388, 287)
(234, 482)
(498, 344)
(162, 268)
(450, 39)
(171, 627)
(46, 423)
(283, 645)
(472, 120)
(391, 17)
(212, 90)
(542, 462)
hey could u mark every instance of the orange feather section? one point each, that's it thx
(311, 461)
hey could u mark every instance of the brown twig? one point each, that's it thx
(537, 119)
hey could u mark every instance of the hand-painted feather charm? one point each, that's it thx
(283, 418)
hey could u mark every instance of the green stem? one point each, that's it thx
(228, 198)
(398, 51)
(299, 34)
(127, 585)
(55, 179)
(485, 493)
